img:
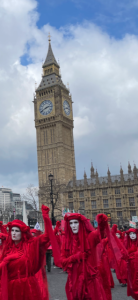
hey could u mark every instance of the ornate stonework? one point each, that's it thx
(54, 125)
(116, 195)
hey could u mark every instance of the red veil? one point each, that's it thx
(131, 244)
(75, 249)
(26, 236)
(132, 247)
(85, 228)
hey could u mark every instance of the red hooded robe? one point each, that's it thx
(121, 264)
(20, 263)
(132, 247)
(79, 259)
(41, 274)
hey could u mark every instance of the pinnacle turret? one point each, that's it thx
(92, 171)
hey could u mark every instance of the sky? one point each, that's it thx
(96, 43)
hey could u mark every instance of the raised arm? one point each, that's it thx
(49, 234)
(97, 235)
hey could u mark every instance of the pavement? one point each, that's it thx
(57, 280)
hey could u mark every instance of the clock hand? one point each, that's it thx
(44, 108)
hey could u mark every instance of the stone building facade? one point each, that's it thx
(115, 195)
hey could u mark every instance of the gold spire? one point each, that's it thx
(49, 37)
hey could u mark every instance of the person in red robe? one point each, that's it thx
(132, 248)
(21, 259)
(104, 268)
(121, 265)
(57, 232)
(41, 274)
(79, 258)
(3, 236)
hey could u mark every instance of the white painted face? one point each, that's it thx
(132, 235)
(118, 235)
(74, 224)
(16, 234)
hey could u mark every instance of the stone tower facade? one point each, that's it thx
(54, 125)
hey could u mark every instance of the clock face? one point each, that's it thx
(46, 107)
(66, 107)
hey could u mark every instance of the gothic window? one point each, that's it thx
(82, 205)
(118, 202)
(52, 155)
(130, 190)
(70, 206)
(46, 138)
(104, 192)
(92, 193)
(119, 214)
(70, 194)
(105, 203)
(132, 201)
(93, 202)
(47, 157)
(132, 213)
(51, 135)
(117, 191)
(55, 155)
(81, 194)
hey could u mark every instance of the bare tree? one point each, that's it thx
(53, 198)
(31, 196)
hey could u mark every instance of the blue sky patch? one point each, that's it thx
(116, 17)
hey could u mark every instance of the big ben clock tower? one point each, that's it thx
(54, 125)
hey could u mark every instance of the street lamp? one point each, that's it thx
(50, 176)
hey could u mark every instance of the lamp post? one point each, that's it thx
(50, 176)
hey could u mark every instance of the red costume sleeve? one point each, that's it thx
(51, 235)
(95, 237)
(56, 230)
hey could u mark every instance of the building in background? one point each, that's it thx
(7, 199)
(54, 125)
(116, 196)
(11, 207)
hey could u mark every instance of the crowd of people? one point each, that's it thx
(87, 255)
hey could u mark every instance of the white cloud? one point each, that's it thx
(103, 76)
(83, 127)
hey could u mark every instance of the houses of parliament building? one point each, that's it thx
(115, 195)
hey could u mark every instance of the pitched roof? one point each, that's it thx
(49, 81)
(103, 180)
(50, 58)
